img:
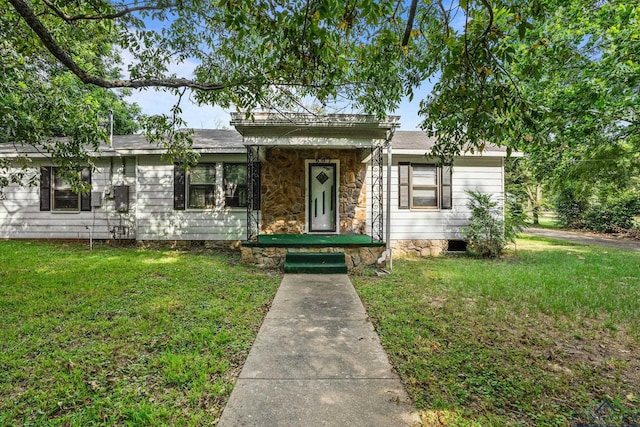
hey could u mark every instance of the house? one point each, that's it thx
(274, 185)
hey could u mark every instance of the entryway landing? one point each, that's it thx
(309, 253)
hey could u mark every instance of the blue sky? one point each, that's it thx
(208, 117)
(211, 117)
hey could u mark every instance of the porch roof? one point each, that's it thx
(310, 130)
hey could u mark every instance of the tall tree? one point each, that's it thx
(266, 53)
(585, 71)
(528, 74)
(524, 190)
(41, 100)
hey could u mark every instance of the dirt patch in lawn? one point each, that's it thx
(462, 360)
(570, 346)
(570, 363)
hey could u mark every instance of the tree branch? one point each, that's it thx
(65, 58)
(412, 15)
(445, 17)
(115, 15)
(490, 23)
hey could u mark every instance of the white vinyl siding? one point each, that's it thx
(151, 214)
(478, 174)
(157, 219)
(21, 217)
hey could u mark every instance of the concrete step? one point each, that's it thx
(305, 268)
(315, 262)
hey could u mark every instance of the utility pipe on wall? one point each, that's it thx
(387, 254)
(90, 236)
(110, 128)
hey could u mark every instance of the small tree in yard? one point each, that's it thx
(485, 235)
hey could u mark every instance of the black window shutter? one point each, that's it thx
(254, 181)
(447, 193)
(85, 198)
(45, 188)
(403, 185)
(179, 175)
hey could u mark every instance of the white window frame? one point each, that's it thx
(64, 187)
(413, 187)
(236, 193)
(189, 185)
(407, 186)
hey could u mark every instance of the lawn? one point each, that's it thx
(530, 339)
(123, 336)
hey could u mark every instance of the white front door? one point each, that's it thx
(321, 209)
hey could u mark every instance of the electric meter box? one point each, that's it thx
(121, 196)
(96, 199)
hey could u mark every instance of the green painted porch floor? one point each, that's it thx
(314, 240)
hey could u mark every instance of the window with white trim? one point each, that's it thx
(56, 193)
(199, 187)
(235, 184)
(424, 186)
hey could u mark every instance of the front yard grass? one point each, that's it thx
(526, 340)
(122, 336)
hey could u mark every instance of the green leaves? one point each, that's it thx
(485, 234)
(40, 100)
(555, 78)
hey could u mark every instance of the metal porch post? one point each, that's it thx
(253, 184)
(377, 204)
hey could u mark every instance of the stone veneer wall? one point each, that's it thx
(283, 189)
(357, 259)
(421, 248)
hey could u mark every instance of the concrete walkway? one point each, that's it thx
(586, 238)
(317, 361)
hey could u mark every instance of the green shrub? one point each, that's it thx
(570, 208)
(613, 212)
(485, 235)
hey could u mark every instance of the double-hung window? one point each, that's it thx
(202, 188)
(235, 184)
(424, 186)
(56, 193)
